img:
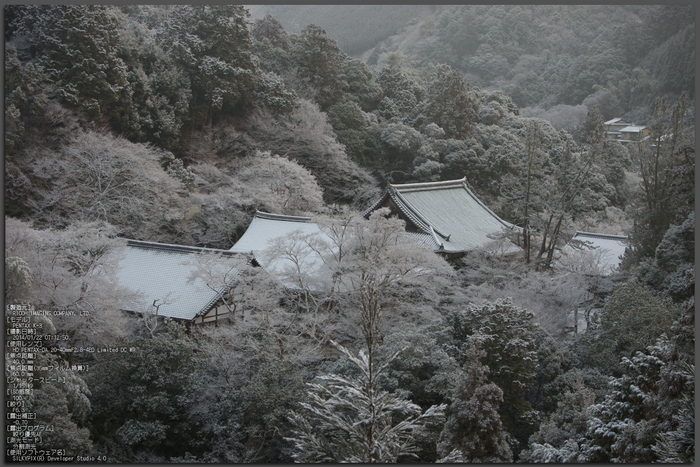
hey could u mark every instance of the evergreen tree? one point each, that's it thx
(593, 130)
(672, 269)
(667, 168)
(273, 96)
(161, 91)
(402, 93)
(560, 437)
(678, 445)
(272, 46)
(631, 320)
(423, 372)
(141, 399)
(473, 424)
(450, 103)
(353, 420)
(213, 46)
(359, 85)
(77, 47)
(646, 409)
(25, 101)
(319, 61)
(271, 30)
(508, 336)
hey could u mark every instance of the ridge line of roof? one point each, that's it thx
(462, 182)
(176, 248)
(281, 217)
(601, 235)
(390, 192)
(428, 185)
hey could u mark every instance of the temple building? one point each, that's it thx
(165, 280)
(448, 217)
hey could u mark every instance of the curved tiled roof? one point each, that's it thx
(163, 273)
(265, 227)
(448, 211)
(607, 250)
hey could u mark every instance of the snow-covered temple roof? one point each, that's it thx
(594, 252)
(163, 273)
(265, 233)
(265, 228)
(447, 215)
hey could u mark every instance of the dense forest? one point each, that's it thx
(555, 62)
(176, 124)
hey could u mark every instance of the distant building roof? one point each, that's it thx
(595, 252)
(613, 121)
(445, 214)
(632, 129)
(162, 273)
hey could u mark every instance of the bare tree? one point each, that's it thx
(72, 277)
(97, 177)
(307, 138)
(531, 147)
(366, 265)
(290, 188)
(228, 196)
(238, 285)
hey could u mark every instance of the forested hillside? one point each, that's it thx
(554, 61)
(175, 124)
(357, 28)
